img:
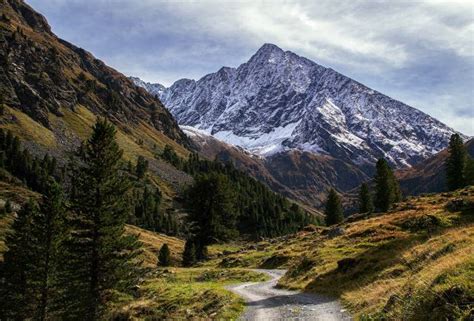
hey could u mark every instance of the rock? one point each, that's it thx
(337, 231)
(347, 264)
(459, 204)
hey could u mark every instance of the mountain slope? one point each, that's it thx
(52, 92)
(299, 175)
(414, 263)
(428, 176)
(279, 101)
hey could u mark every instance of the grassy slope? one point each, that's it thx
(166, 293)
(152, 243)
(180, 293)
(414, 263)
(188, 293)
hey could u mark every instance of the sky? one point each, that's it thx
(419, 52)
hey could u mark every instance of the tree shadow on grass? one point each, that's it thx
(362, 269)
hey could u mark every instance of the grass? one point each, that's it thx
(413, 263)
(188, 293)
(28, 129)
(152, 243)
(5, 223)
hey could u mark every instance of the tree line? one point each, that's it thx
(68, 254)
(386, 192)
(33, 171)
(459, 165)
(224, 203)
(147, 211)
(459, 172)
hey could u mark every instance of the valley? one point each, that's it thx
(280, 189)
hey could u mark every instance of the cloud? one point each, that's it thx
(420, 52)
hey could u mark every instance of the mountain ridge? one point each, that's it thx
(278, 101)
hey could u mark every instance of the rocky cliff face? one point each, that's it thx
(41, 74)
(279, 101)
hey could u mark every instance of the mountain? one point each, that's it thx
(279, 101)
(299, 175)
(428, 176)
(51, 93)
(309, 127)
(154, 89)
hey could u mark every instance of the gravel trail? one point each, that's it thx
(265, 302)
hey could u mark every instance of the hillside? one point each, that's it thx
(429, 175)
(163, 292)
(413, 263)
(301, 121)
(302, 176)
(52, 92)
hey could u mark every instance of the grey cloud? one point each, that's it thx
(418, 52)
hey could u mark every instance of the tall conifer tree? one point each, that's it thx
(16, 293)
(189, 254)
(455, 163)
(387, 189)
(100, 257)
(164, 255)
(469, 171)
(212, 206)
(334, 211)
(366, 204)
(48, 231)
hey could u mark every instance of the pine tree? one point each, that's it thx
(8, 207)
(469, 171)
(48, 231)
(170, 156)
(18, 296)
(334, 212)
(387, 189)
(455, 163)
(164, 258)
(365, 199)
(142, 167)
(212, 208)
(100, 258)
(189, 254)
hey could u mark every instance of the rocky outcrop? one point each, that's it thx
(42, 74)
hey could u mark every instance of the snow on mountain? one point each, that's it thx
(280, 101)
(154, 89)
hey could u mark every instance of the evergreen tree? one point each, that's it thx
(260, 212)
(212, 208)
(48, 231)
(455, 163)
(39, 232)
(8, 207)
(469, 171)
(100, 258)
(334, 212)
(365, 199)
(18, 296)
(142, 167)
(164, 258)
(170, 156)
(387, 190)
(189, 254)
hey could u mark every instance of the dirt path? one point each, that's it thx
(265, 302)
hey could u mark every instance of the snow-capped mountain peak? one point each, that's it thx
(279, 101)
(154, 89)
